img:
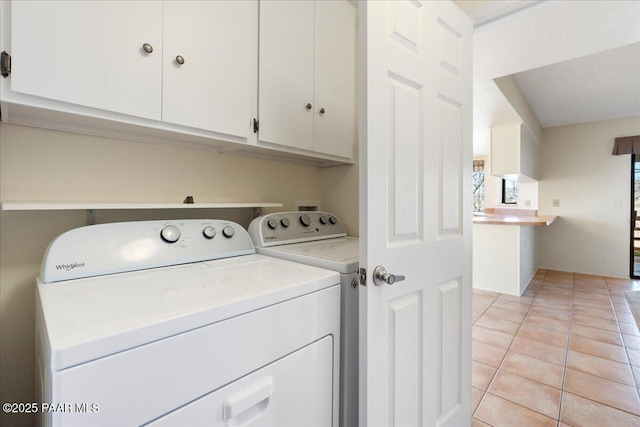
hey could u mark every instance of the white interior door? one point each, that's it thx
(415, 213)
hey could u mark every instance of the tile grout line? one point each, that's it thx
(566, 352)
(538, 289)
(485, 392)
(624, 343)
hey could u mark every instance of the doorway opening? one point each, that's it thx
(635, 218)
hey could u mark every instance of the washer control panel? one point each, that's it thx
(293, 227)
(127, 246)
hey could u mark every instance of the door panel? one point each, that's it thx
(450, 382)
(450, 170)
(415, 341)
(405, 167)
(405, 342)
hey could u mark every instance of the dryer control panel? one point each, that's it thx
(100, 249)
(282, 228)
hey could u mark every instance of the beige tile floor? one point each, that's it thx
(566, 353)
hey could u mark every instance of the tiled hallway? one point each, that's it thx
(566, 353)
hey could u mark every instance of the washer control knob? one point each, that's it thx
(285, 222)
(333, 220)
(305, 220)
(272, 223)
(323, 220)
(170, 234)
(228, 231)
(209, 232)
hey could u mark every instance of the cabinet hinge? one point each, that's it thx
(256, 126)
(363, 276)
(5, 64)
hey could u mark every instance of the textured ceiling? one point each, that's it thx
(549, 33)
(601, 86)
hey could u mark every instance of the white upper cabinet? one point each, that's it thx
(207, 57)
(286, 73)
(175, 71)
(89, 53)
(307, 75)
(186, 72)
(335, 77)
(514, 153)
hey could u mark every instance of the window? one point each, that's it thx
(478, 185)
(509, 192)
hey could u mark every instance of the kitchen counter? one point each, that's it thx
(505, 258)
(510, 216)
(514, 219)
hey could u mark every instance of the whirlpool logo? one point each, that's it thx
(69, 267)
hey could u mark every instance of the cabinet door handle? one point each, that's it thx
(322, 111)
(180, 59)
(308, 107)
(147, 48)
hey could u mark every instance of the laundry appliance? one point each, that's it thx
(165, 323)
(320, 239)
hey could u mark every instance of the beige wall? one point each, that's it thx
(527, 191)
(576, 167)
(340, 190)
(37, 164)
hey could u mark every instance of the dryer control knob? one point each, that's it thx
(285, 222)
(228, 231)
(323, 220)
(272, 223)
(209, 232)
(333, 220)
(170, 234)
(305, 220)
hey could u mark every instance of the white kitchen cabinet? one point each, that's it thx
(111, 68)
(307, 76)
(212, 88)
(89, 53)
(514, 153)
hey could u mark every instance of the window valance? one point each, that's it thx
(627, 145)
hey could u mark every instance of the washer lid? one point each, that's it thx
(90, 318)
(339, 254)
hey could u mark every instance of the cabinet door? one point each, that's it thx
(213, 88)
(286, 73)
(335, 77)
(89, 53)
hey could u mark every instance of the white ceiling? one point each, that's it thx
(575, 62)
(602, 86)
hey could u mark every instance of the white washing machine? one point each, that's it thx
(169, 323)
(319, 239)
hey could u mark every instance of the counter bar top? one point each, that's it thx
(507, 216)
(514, 219)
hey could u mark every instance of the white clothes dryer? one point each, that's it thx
(319, 239)
(165, 323)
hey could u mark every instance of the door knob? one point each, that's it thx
(382, 276)
(179, 60)
(147, 48)
(308, 106)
